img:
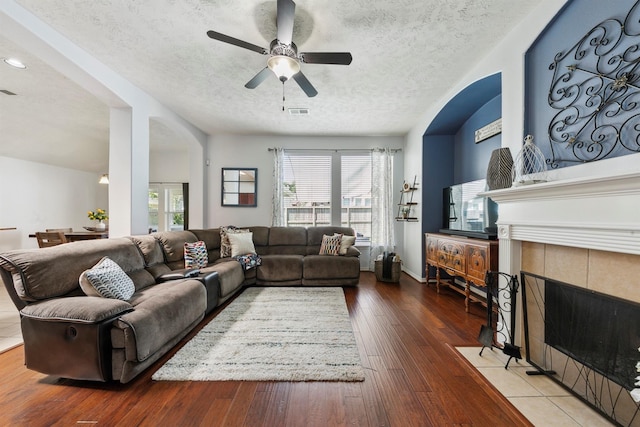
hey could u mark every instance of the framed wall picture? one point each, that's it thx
(240, 187)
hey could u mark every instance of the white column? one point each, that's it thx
(128, 172)
(197, 185)
(509, 262)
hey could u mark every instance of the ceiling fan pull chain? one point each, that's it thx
(283, 96)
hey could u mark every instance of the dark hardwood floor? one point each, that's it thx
(405, 332)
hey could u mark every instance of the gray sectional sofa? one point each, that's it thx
(69, 334)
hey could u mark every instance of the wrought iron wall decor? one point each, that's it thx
(596, 90)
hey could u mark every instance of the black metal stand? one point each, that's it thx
(496, 307)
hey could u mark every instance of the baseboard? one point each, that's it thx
(417, 277)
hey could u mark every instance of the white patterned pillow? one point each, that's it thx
(195, 255)
(106, 279)
(330, 244)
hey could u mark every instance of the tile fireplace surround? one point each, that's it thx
(582, 231)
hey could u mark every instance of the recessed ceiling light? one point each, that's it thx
(14, 63)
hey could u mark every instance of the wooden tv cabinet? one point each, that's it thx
(463, 257)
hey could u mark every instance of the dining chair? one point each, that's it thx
(50, 238)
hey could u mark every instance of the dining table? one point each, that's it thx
(74, 236)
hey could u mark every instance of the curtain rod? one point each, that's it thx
(393, 150)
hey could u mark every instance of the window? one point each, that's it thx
(315, 182)
(166, 207)
(356, 193)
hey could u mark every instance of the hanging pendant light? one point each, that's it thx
(529, 166)
(104, 179)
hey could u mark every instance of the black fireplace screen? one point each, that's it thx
(596, 329)
(586, 341)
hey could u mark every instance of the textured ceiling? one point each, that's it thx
(406, 55)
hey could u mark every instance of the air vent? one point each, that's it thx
(298, 111)
(7, 92)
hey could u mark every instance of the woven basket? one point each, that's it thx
(396, 269)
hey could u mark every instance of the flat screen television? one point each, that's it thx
(466, 213)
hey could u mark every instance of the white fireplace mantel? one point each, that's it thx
(595, 212)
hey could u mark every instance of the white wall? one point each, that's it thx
(36, 196)
(169, 166)
(252, 152)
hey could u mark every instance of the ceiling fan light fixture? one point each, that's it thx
(284, 67)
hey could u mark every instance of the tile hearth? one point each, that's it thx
(538, 398)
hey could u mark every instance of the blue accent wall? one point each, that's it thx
(471, 159)
(437, 173)
(450, 155)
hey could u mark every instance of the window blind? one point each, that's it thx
(307, 180)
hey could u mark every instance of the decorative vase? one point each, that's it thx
(101, 226)
(499, 169)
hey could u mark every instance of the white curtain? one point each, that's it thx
(277, 201)
(382, 220)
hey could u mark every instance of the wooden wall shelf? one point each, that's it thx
(406, 202)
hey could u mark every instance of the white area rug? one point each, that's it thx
(272, 334)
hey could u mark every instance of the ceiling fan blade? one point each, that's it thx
(284, 21)
(304, 84)
(237, 42)
(339, 58)
(259, 78)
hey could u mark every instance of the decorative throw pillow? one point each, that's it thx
(346, 243)
(195, 255)
(225, 245)
(241, 244)
(106, 279)
(330, 244)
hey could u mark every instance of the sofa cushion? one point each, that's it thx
(280, 268)
(172, 243)
(286, 241)
(260, 235)
(324, 267)
(314, 236)
(288, 236)
(106, 279)
(161, 312)
(230, 275)
(150, 249)
(32, 269)
(77, 309)
(211, 238)
(195, 255)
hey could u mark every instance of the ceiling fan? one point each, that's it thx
(284, 59)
